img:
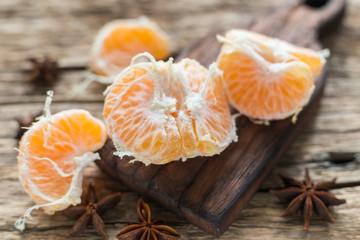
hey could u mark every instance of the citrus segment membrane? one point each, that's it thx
(115, 45)
(159, 111)
(119, 40)
(266, 78)
(52, 156)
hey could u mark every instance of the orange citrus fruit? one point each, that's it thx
(267, 78)
(52, 155)
(119, 40)
(161, 111)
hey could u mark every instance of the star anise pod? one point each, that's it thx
(44, 71)
(307, 197)
(25, 122)
(147, 229)
(91, 212)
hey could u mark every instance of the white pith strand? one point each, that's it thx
(245, 42)
(249, 45)
(54, 164)
(47, 116)
(72, 197)
(89, 79)
(174, 76)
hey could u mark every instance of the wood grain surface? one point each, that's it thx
(211, 192)
(65, 30)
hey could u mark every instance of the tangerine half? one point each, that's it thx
(159, 112)
(52, 155)
(119, 40)
(267, 78)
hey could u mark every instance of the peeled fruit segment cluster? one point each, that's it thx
(267, 78)
(119, 40)
(70, 134)
(52, 156)
(162, 111)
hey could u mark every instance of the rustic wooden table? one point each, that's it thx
(65, 29)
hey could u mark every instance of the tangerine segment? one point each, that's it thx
(159, 112)
(313, 59)
(47, 154)
(277, 50)
(118, 41)
(267, 78)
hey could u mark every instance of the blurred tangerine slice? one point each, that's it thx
(267, 78)
(52, 155)
(159, 112)
(119, 40)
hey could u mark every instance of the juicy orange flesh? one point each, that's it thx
(136, 123)
(70, 136)
(311, 58)
(259, 93)
(135, 40)
(213, 119)
(130, 121)
(124, 42)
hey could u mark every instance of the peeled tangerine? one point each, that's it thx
(159, 112)
(266, 78)
(119, 40)
(52, 155)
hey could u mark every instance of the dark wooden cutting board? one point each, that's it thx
(211, 192)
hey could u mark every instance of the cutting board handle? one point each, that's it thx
(324, 14)
(303, 22)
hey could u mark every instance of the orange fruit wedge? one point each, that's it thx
(159, 112)
(267, 78)
(119, 40)
(52, 155)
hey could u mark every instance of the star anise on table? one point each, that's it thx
(44, 71)
(146, 229)
(91, 212)
(307, 197)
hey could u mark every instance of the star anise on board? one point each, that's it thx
(307, 197)
(44, 71)
(147, 229)
(91, 212)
